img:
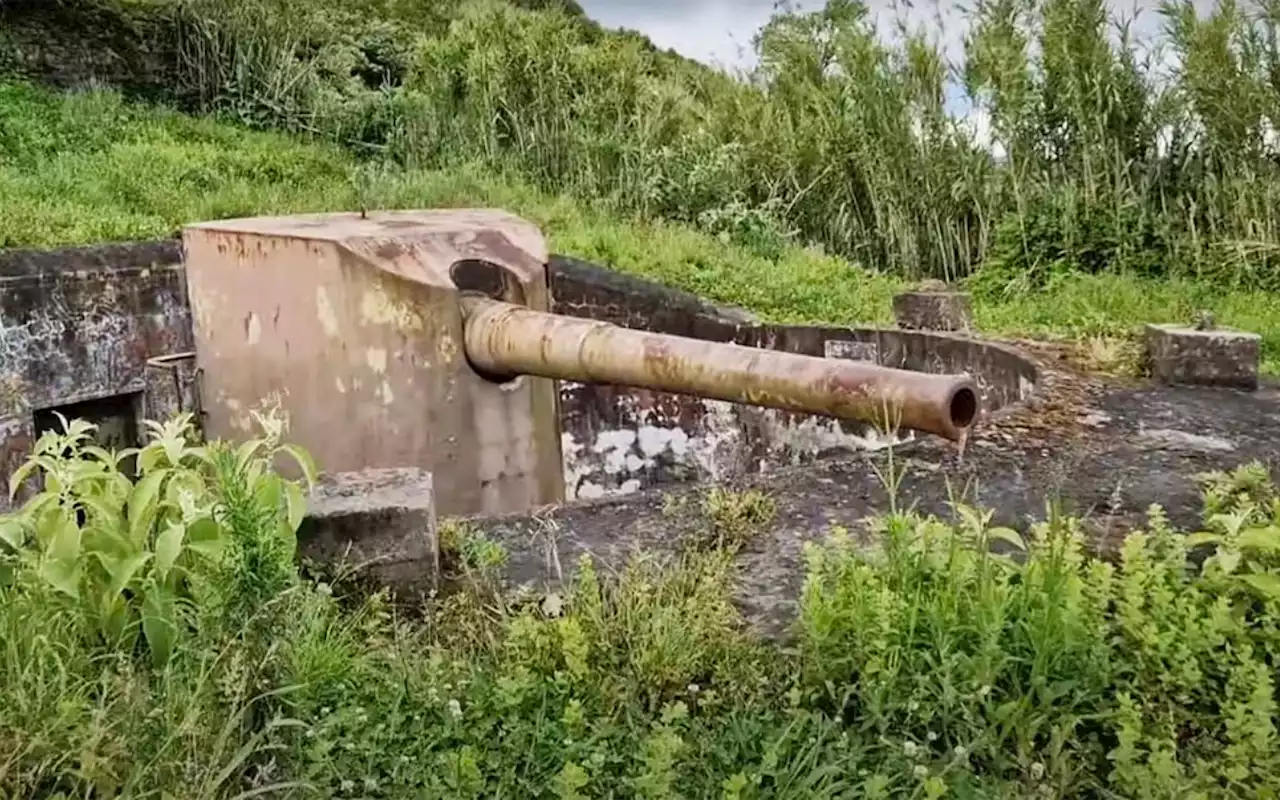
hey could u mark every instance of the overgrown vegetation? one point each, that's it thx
(86, 167)
(1110, 155)
(158, 642)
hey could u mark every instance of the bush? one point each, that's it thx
(1054, 671)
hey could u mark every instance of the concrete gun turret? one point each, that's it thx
(424, 339)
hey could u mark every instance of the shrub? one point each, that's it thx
(1051, 670)
(128, 554)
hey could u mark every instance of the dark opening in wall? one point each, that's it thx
(116, 417)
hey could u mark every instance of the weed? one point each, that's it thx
(737, 517)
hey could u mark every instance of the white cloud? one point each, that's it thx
(976, 122)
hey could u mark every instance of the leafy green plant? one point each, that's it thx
(125, 552)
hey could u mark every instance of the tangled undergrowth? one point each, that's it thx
(156, 640)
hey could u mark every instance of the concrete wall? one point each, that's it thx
(77, 328)
(81, 325)
(619, 440)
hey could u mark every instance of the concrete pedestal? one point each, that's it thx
(933, 311)
(1180, 354)
(382, 521)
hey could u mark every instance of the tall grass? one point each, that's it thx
(87, 167)
(1108, 156)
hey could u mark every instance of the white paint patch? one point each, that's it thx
(854, 351)
(612, 441)
(376, 358)
(341, 387)
(614, 446)
(324, 313)
(569, 445)
(574, 469)
(654, 441)
(1025, 388)
(717, 452)
(378, 309)
(252, 329)
(387, 396)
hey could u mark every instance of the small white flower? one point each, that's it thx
(931, 736)
(693, 688)
(455, 709)
(920, 770)
(1037, 771)
(910, 749)
(913, 706)
(984, 691)
(961, 751)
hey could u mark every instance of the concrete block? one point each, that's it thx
(933, 310)
(1181, 354)
(380, 520)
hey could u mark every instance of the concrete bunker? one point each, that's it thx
(454, 346)
(434, 336)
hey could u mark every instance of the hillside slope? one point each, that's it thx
(1104, 158)
(88, 167)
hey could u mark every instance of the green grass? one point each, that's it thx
(87, 167)
(842, 136)
(157, 641)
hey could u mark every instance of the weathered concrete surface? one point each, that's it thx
(1179, 354)
(620, 440)
(352, 324)
(381, 522)
(616, 440)
(1104, 450)
(933, 311)
(78, 326)
(171, 387)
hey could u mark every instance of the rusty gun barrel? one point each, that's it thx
(506, 341)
